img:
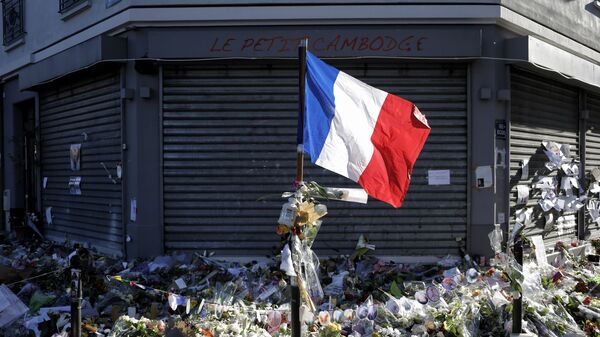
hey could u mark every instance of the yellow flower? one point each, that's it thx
(331, 330)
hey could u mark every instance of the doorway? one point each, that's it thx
(22, 166)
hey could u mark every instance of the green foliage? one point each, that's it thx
(395, 290)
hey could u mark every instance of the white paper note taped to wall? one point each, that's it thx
(570, 204)
(133, 210)
(49, 215)
(546, 204)
(548, 193)
(574, 182)
(560, 203)
(524, 169)
(523, 215)
(593, 208)
(565, 185)
(549, 220)
(595, 173)
(555, 154)
(522, 194)
(546, 183)
(570, 169)
(438, 177)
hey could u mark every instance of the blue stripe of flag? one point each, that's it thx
(319, 105)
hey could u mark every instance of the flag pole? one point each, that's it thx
(301, 92)
(295, 290)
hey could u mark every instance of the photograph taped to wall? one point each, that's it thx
(75, 155)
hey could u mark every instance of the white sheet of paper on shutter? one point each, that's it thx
(548, 193)
(546, 204)
(570, 169)
(48, 214)
(593, 208)
(565, 149)
(549, 219)
(573, 204)
(560, 203)
(523, 215)
(565, 185)
(546, 183)
(525, 169)
(522, 194)
(438, 177)
(568, 203)
(595, 173)
(554, 154)
(575, 182)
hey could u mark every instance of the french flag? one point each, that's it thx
(361, 132)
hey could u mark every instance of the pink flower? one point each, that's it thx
(378, 266)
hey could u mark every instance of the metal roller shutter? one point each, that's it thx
(592, 150)
(229, 139)
(83, 111)
(540, 110)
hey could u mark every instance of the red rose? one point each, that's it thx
(587, 300)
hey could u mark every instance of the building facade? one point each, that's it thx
(142, 128)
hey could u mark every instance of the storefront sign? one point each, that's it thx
(408, 41)
(339, 42)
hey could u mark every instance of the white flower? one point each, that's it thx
(235, 328)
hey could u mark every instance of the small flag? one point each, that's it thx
(361, 132)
